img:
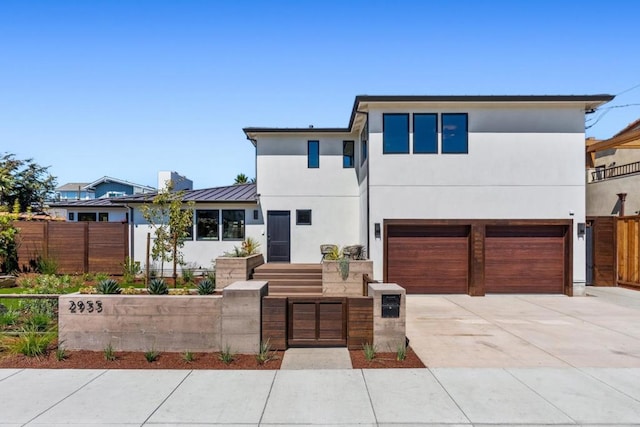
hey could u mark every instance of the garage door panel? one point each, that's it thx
(525, 264)
(429, 264)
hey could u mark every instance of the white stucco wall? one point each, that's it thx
(602, 199)
(285, 183)
(523, 163)
(199, 252)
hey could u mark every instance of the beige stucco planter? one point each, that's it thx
(234, 269)
(334, 285)
(172, 323)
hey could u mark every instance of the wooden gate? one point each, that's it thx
(317, 322)
(628, 237)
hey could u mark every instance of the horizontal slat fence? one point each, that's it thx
(76, 247)
(628, 237)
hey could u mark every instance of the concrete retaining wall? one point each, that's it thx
(334, 285)
(164, 323)
(234, 269)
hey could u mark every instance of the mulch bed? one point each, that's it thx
(134, 360)
(82, 359)
(384, 360)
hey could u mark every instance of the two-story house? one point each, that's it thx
(448, 194)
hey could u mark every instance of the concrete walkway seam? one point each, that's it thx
(66, 397)
(266, 401)
(366, 387)
(9, 376)
(167, 397)
(449, 394)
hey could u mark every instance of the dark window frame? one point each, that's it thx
(384, 148)
(217, 227)
(298, 212)
(241, 238)
(84, 214)
(309, 163)
(345, 157)
(443, 149)
(102, 215)
(71, 216)
(413, 130)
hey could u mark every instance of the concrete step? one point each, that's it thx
(289, 268)
(295, 283)
(291, 276)
(295, 294)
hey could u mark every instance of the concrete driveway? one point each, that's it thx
(512, 331)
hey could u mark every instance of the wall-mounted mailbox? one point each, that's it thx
(582, 229)
(391, 305)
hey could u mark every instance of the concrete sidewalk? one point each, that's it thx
(442, 396)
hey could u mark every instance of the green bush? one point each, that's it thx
(206, 287)
(151, 355)
(9, 317)
(369, 352)
(227, 356)
(109, 354)
(32, 343)
(38, 320)
(108, 286)
(158, 287)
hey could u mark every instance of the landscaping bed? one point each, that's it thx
(82, 359)
(385, 360)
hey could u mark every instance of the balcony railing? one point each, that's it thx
(600, 174)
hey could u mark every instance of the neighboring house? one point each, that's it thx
(223, 218)
(178, 182)
(90, 201)
(614, 169)
(74, 191)
(105, 209)
(449, 194)
(113, 187)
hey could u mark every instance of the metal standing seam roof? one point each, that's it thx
(229, 194)
(104, 203)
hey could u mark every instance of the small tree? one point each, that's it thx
(8, 244)
(171, 223)
(241, 179)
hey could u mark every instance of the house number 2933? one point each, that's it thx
(89, 306)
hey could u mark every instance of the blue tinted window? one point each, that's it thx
(313, 154)
(454, 133)
(395, 130)
(425, 133)
(347, 154)
(364, 151)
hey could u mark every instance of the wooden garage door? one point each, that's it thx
(524, 259)
(428, 259)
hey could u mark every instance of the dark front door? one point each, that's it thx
(278, 236)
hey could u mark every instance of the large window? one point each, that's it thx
(313, 154)
(454, 133)
(207, 222)
(395, 133)
(347, 154)
(233, 224)
(103, 216)
(87, 216)
(425, 133)
(363, 143)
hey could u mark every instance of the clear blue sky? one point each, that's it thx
(128, 88)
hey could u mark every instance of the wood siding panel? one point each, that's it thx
(274, 322)
(360, 322)
(107, 247)
(524, 260)
(429, 259)
(628, 251)
(67, 245)
(320, 321)
(604, 251)
(31, 243)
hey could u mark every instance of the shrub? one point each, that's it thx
(188, 356)
(369, 352)
(32, 343)
(226, 355)
(9, 317)
(99, 277)
(264, 354)
(38, 320)
(249, 247)
(151, 355)
(401, 351)
(206, 287)
(46, 265)
(158, 287)
(61, 353)
(108, 287)
(109, 354)
(130, 269)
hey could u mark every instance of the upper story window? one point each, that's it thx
(347, 154)
(395, 133)
(207, 224)
(363, 143)
(425, 133)
(455, 138)
(313, 154)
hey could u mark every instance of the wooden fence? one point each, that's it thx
(76, 247)
(628, 243)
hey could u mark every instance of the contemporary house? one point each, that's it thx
(74, 191)
(448, 194)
